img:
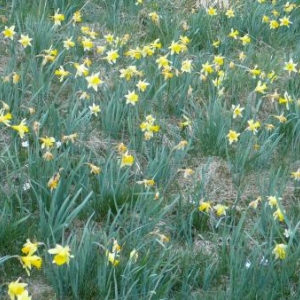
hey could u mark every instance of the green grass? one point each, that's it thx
(120, 181)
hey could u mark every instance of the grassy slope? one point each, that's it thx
(182, 252)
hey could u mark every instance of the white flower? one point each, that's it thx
(287, 233)
(25, 144)
(248, 264)
(26, 186)
(264, 261)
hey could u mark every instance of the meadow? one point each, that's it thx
(149, 149)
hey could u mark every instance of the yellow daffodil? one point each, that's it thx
(81, 70)
(181, 145)
(229, 13)
(16, 78)
(245, 39)
(280, 251)
(286, 100)
(49, 55)
(53, 181)
(87, 62)
(62, 254)
(16, 288)
(147, 51)
(25, 40)
(129, 72)
(142, 85)
(260, 87)
(288, 7)
(255, 203)
(177, 47)
(77, 17)
(5, 117)
(269, 127)
(147, 182)
(61, 73)
(184, 40)
(207, 68)
(237, 111)
(216, 43)
(116, 248)
(121, 148)
(68, 43)
(112, 258)
(290, 66)
(205, 206)
(211, 11)
(29, 261)
(9, 32)
(87, 44)
(127, 160)
(242, 56)
(186, 66)
(132, 98)
(273, 201)
(278, 215)
(109, 38)
(21, 128)
(219, 60)
(58, 18)
(167, 72)
(134, 255)
(255, 71)
(154, 17)
(296, 175)
(30, 248)
(285, 21)
(94, 169)
(281, 118)
(186, 123)
(253, 126)
(112, 56)
(92, 34)
(220, 209)
(47, 142)
(84, 95)
(233, 33)
(232, 136)
(273, 24)
(24, 296)
(100, 49)
(162, 61)
(186, 172)
(156, 44)
(265, 19)
(94, 81)
(94, 109)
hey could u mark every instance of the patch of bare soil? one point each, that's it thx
(40, 290)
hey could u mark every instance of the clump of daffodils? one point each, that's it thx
(30, 260)
(113, 256)
(148, 127)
